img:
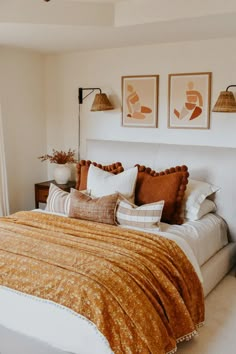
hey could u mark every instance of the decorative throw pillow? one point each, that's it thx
(147, 216)
(196, 193)
(207, 206)
(168, 185)
(102, 209)
(83, 167)
(102, 183)
(58, 201)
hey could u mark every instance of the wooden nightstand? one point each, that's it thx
(42, 189)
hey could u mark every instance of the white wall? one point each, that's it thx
(104, 68)
(24, 126)
(23, 93)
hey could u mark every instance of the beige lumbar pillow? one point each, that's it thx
(102, 183)
(103, 209)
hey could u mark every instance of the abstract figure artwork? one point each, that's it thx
(189, 100)
(140, 101)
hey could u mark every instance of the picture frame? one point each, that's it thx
(189, 100)
(140, 101)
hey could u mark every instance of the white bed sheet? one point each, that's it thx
(205, 236)
(50, 323)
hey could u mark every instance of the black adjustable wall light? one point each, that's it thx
(100, 103)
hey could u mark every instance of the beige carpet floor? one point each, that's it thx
(218, 335)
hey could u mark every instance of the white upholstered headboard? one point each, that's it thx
(215, 165)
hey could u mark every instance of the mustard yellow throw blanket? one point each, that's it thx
(139, 289)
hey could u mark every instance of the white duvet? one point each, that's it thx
(50, 323)
(58, 326)
(205, 236)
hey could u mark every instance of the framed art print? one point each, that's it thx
(189, 100)
(140, 101)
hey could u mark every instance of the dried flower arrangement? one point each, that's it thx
(60, 157)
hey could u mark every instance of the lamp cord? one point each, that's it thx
(79, 133)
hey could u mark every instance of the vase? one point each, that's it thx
(61, 173)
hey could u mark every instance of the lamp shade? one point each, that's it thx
(225, 102)
(101, 103)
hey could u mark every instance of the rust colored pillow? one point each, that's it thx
(168, 185)
(83, 167)
(103, 209)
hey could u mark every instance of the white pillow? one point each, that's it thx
(147, 216)
(207, 206)
(102, 183)
(196, 193)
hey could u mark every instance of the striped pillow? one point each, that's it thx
(58, 201)
(146, 216)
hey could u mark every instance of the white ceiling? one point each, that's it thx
(65, 25)
(99, 1)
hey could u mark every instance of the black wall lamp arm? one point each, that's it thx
(81, 89)
(230, 86)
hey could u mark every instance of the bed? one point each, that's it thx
(205, 163)
(42, 326)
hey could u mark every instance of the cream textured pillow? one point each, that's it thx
(196, 193)
(207, 206)
(146, 216)
(102, 183)
(102, 209)
(58, 201)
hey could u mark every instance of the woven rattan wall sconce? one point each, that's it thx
(225, 102)
(101, 101)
